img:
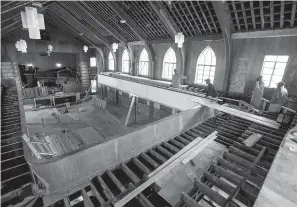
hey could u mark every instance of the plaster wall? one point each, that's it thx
(251, 52)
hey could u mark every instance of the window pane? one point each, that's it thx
(267, 71)
(278, 72)
(169, 64)
(270, 58)
(269, 64)
(282, 58)
(281, 65)
(205, 59)
(276, 78)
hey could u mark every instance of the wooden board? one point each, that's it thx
(238, 113)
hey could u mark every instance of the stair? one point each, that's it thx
(15, 172)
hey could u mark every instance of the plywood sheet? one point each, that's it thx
(89, 135)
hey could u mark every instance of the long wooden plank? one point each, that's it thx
(130, 110)
(241, 114)
(164, 168)
(198, 150)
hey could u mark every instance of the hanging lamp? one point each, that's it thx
(21, 46)
(85, 48)
(32, 21)
(115, 46)
(179, 39)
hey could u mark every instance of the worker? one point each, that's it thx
(279, 98)
(257, 93)
(211, 91)
(176, 79)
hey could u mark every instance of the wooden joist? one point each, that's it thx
(164, 168)
(241, 114)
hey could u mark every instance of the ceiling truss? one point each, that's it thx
(193, 18)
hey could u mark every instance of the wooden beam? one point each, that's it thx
(130, 110)
(212, 20)
(266, 33)
(98, 19)
(198, 28)
(165, 19)
(88, 31)
(253, 14)
(262, 14)
(236, 16)
(235, 112)
(196, 13)
(293, 13)
(203, 14)
(129, 21)
(271, 15)
(244, 15)
(186, 15)
(282, 14)
(225, 20)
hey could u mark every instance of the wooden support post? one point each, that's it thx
(189, 201)
(130, 110)
(87, 200)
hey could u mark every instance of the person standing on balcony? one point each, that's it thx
(176, 79)
(211, 91)
(257, 93)
(279, 98)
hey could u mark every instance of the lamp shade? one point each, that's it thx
(85, 48)
(115, 46)
(33, 21)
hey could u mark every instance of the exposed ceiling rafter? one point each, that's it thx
(129, 21)
(87, 31)
(84, 7)
(156, 6)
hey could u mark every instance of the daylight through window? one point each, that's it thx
(143, 63)
(169, 64)
(273, 69)
(110, 61)
(206, 66)
(125, 62)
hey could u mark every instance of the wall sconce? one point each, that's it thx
(58, 65)
(21, 46)
(49, 49)
(85, 48)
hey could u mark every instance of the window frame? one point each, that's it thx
(273, 69)
(196, 80)
(146, 62)
(167, 66)
(124, 62)
(109, 60)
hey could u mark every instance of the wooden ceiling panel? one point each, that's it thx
(145, 18)
(262, 15)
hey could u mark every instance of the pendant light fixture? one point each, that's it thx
(179, 39)
(33, 22)
(115, 46)
(85, 48)
(21, 46)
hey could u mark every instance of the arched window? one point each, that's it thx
(143, 63)
(169, 64)
(125, 62)
(110, 61)
(206, 66)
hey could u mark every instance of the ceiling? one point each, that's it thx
(99, 22)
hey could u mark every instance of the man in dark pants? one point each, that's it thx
(211, 91)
